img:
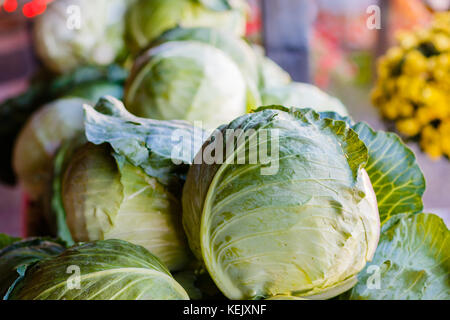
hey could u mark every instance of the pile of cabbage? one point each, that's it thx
(167, 158)
(137, 203)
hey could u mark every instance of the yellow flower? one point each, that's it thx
(444, 128)
(415, 63)
(441, 42)
(390, 110)
(434, 151)
(445, 145)
(406, 109)
(409, 127)
(423, 115)
(407, 40)
(394, 55)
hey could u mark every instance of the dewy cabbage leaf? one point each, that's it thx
(396, 177)
(163, 149)
(73, 33)
(18, 255)
(148, 19)
(304, 229)
(302, 95)
(237, 49)
(108, 270)
(187, 80)
(411, 262)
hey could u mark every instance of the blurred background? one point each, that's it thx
(324, 42)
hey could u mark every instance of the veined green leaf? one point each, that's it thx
(21, 254)
(102, 270)
(146, 143)
(306, 229)
(412, 262)
(396, 177)
(393, 170)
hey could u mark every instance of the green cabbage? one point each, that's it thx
(125, 184)
(73, 33)
(108, 270)
(148, 19)
(108, 198)
(187, 80)
(305, 229)
(236, 48)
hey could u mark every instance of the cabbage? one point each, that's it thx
(40, 139)
(63, 45)
(306, 229)
(302, 95)
(237, 49)
(108, 198)
(125, 185)
(148, 19)
(108, 270)
(187, 80)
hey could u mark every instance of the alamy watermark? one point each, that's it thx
(231, 146)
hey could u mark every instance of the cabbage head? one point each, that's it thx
(103, 270)
(148, 19)
(303, 95)
(236, 48)
(73, 33)
(126, 182)
(187, 80)
(304, 229)
(40, 139)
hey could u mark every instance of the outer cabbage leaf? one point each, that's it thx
(303, 95)
(53, 201)
(109, 270)
(411, 262)
(187, 80)
(396, 177)
(21, 254)
(146, 143)
(306, 230)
